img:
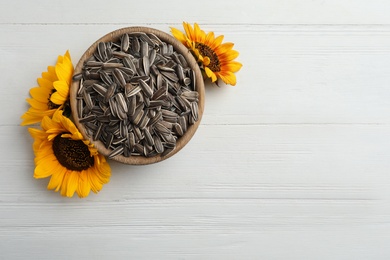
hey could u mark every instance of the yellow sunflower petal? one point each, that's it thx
(58, 99)
(45, 83)
(64, 70)
(36, 104)
(62, 88)
(64, 186)
(189, 30)
(232, 66)
(178, 35)
(227, 46)
(49, 125)
(44, 154)
(209, 38)
(96, 185)
(33, 116)
(38, 136)
(229, 56)
(210, 74)
(206, 61)
(56, 179)
(40, 94)
(228, 77)
(72, 183)
(217, 41)
(50, 74)
(67, 125)
(67, 54)
(197, 33)
(84, 186)
(44, 170)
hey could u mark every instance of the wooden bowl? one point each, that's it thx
(179, 48)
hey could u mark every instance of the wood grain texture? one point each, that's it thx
(292, 163)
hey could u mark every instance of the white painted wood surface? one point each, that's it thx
(292, 163)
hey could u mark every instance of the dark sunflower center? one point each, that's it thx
(72, 154)
(205, 50)
(50, 104)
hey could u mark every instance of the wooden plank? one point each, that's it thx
(203, 11)
(324, 75)
(281, 162)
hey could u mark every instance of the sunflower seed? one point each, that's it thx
(110, 92)
(138, 117)
(190, 95)
(178, 130)
(131, 105)
(105, 77)
(126, 152)
(103, 119)
(131, 90)
(111, 65)
(88, 118)
(99, 89)
(90, 126)
(139, 148)
(170, 76)
(131, 140)
(135, 45)
(87, 99)
(110, 138)
(125, 43)
(155, 119)
(121, 101)
(77, 77)
(163, 48)
(118, 150)
(146, 89)
(148, 137)
(191, 120)
(167, 151)
(146, 65)
(193, 80)
(187, 81)
(80, 107)
(194, 110)
(129, 72)
(102, 51)
(98, 132)
(144, 121)
(155, 39)
(119, 78)
(135, 79)
(183, 123)
(121, 54)
(183, 61)
(161, 128)
(152, 56)
(165, 68)
(94, 64)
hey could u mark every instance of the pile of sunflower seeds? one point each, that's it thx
(137, 96)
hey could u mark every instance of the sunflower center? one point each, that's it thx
(215, 65)
(72, 154)
(50, 104)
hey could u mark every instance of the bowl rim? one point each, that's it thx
(179, 48)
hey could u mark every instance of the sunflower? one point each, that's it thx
(216, 59)
(73, 164)
(52, 92)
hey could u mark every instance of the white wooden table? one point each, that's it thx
(292, 163)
